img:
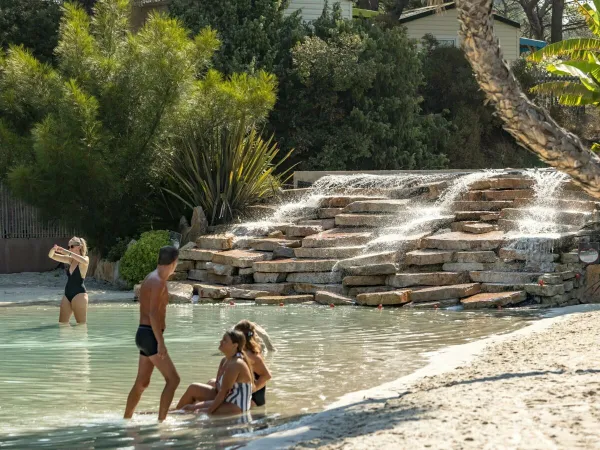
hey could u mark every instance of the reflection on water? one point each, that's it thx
(66, 386)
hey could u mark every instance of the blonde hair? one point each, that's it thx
(82, 244)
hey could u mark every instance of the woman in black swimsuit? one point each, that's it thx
(75, 300)
(253, 349)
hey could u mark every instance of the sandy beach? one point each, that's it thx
(48, 287)
(537, 388)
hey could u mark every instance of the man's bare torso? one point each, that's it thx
(149, 285)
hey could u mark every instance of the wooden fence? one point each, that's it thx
(20, 220)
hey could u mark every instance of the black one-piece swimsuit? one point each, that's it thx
(74, 284)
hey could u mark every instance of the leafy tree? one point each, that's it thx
(255, 34)
(477, 139)
(93, 134)
(31, 23)
(351, 100)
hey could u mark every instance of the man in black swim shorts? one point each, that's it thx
(154, 298)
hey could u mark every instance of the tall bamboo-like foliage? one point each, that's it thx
(86, 141)
(225, 170)
(582, 61)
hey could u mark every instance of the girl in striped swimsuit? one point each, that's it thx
(233, 391)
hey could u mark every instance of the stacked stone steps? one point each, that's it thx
(564, 217)
(563, 204)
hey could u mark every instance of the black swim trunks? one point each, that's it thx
(146, 341)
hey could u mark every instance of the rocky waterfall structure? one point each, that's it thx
(479, 240)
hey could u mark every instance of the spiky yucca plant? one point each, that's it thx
(225, 170)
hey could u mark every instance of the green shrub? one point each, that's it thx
(141, 257)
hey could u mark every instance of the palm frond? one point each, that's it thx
(566, 48)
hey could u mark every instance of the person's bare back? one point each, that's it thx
(149, 339)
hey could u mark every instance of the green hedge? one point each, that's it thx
(140, 259)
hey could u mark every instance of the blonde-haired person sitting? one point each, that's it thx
(75, 300)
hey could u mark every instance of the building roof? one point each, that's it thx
(419, 13)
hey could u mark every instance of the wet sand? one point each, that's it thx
(48, 287)
(536, 388)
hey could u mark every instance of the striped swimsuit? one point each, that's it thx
(239, 395)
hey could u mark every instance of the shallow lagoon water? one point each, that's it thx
(65, 387)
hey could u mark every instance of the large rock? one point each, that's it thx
(481, 206)
(285, 299)
(221, 269)
(384, 298)
(354, 291)
(574, 218)
(273, 277)
(325, 224)
(501, 287)
(180, 292)
(427, 279)
(545, 290)
(215, 241)
(445, 292)
(374, 269)
(364, 280)
(238, 258)
(478, 228)
(446, 303)
(464, 267)
(491, 195)
(489, 300)
(362, 220)
(397, 239)
(328, 252)
(210, 291)
(248, 294)
(329, 213)
(228, 279)
(377, 206)
(295, 265)
(511, 254)
(427, 257)
(178, 276)
(504, 277)
(502, 183)
(427, 191)
(315, 277)
(327, 298)
(270, 244)
(337, 237)
(197, 254)
(372, 259)
(184, 265)
(284, 253)
(199, 225)
(464, 241)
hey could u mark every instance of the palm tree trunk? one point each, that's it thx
(532, 126)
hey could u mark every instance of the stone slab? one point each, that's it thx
(478, 228)
(354, 291)
(328, 252)
(328, 298)
(248, 294)
(285, 299)
(565, 217)
(490, 195)
(312, 288)
(437, 293)
(184, 266)
(470, 215)
(201, 265)
(238, 258)
(447, 303)
(463, 267)
(302, 230)
(283, 253)
(490, 217)
(551, 278)
(180, 292)
(504, 277)
(341, 201)
(197, 254)
(246, 271)
(498, 205)
(325, 224)
(493, 300)
(464, 241)
(178, 276)
(427, 257)
(397, 298)
(370, 259)
(276, 288)
(388, 206)
(362, 220)
(269, 277)
(295, 265)
(374, 269)
(476, 257)
(228, 279)
(198, 275)
(270, 244)
(329, 213)
(501, 287)
(427, 279)
(315, 277)
(337, 237)
(548, 290)
(221, 269)
(364, 280)
(502, 183)
(215, 241)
